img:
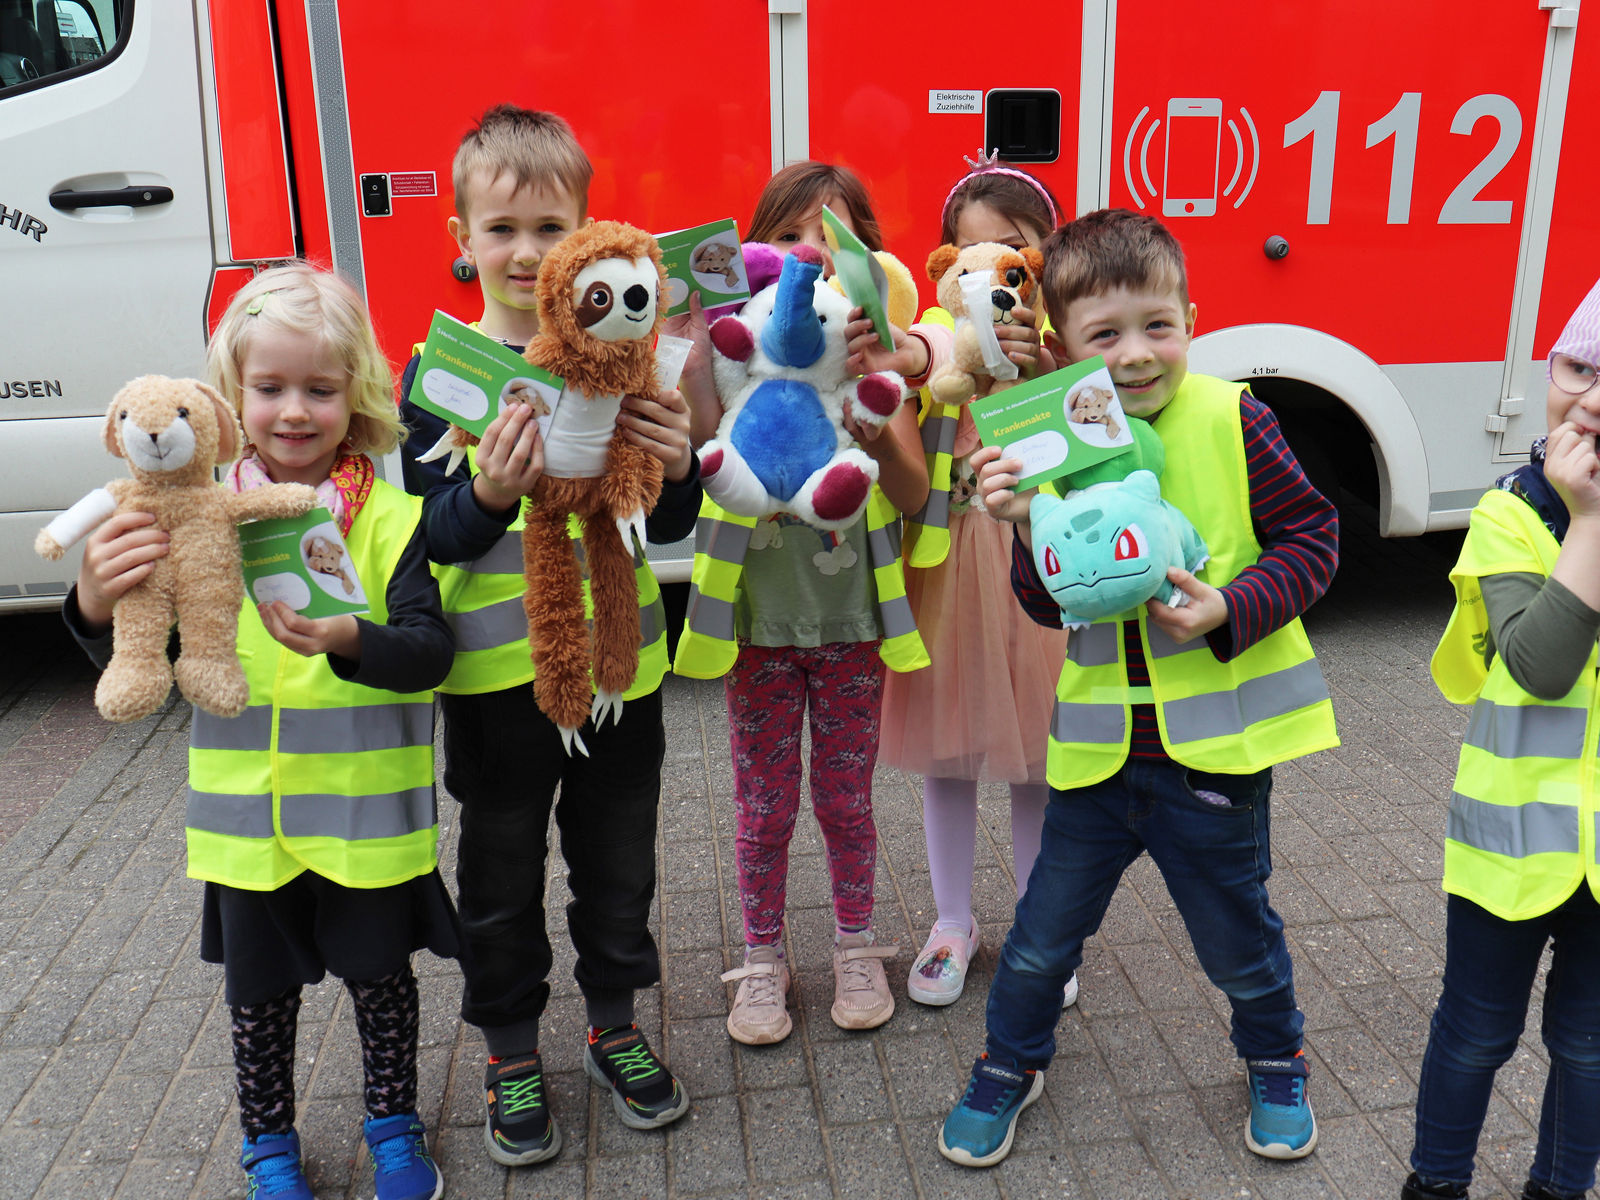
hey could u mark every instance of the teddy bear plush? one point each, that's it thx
(1091, 405)
(779, 367)
(173, 432)
(1013, 279)
(1105, 547)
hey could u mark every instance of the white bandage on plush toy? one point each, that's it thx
(980, 307)
(77, 522)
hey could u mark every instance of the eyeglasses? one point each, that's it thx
(1572, 375)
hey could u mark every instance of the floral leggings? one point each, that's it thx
(769, 690)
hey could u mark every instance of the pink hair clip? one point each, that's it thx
(990, 164)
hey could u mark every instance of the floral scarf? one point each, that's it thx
(342, 493)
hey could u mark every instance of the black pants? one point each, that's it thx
(504, 762)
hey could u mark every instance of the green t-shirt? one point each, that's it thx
(804, 587)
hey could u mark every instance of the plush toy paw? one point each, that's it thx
(46, 546)
(217, 685)
(837, 495)
(732, 483)
(570, 739)
(132, 688)
(951, 385)
(630, 527)
(454, 443)
(877, 397)
(606, 704)
(732, 339)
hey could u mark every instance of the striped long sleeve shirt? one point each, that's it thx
(1299, 534)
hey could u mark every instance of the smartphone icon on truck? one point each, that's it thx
(1194, 147)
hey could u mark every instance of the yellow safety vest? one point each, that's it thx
(483, 603)
(927, 536)
(1266, 706)
(707, 648)
(317, 774)
(1522, 831)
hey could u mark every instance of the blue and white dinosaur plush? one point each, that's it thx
(782, 446)
(1105, 548)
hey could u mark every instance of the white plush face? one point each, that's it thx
(158, 451)
(615, 299)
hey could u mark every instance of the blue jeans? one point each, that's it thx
(1215, 860)
(1489, 967)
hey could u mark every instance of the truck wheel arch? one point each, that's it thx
(1265, 353)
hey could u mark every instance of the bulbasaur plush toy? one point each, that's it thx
(1105, 547)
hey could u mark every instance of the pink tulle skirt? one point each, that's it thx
(982, 709)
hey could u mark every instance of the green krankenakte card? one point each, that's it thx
(302, 561)
(860, 274)
(1057, 423)
(704, 259)
(467, 378)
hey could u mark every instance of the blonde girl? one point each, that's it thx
(311, 815)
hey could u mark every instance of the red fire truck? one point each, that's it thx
(1388, 212)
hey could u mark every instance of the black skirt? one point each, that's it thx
(273, 942)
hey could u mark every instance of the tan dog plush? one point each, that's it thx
(173, 432)
(1090, 405)
(1013, 283)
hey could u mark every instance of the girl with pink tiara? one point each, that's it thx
(982, 710)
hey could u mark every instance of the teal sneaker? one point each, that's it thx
(644, 1093)
(271, 1165)
(401, 1166)
(979, 1129)
(1281, 1124)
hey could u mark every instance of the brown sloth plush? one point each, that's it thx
(1013, 283)
(598, 297)
(173, 432)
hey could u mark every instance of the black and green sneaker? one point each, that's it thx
(520, 1129)
(643, 1091)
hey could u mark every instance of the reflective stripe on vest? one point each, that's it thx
(318, 773)
(1524, 826)
(1266, 706)
(927, 539)
(483, 603)
(707, 647)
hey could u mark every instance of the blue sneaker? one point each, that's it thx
(401, 1166)
(978, 1131)
(1281, 1124)
(271, 1165)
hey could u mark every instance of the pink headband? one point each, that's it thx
(989, 164)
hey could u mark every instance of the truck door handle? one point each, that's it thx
(129, 197)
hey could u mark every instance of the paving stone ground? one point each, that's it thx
(116, 1080)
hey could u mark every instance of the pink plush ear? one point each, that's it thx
(111, 435)
(229, 433)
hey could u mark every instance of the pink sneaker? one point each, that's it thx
(759, 1015)
(861, 998)
(939, 973)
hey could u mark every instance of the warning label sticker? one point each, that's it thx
(412, 183)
